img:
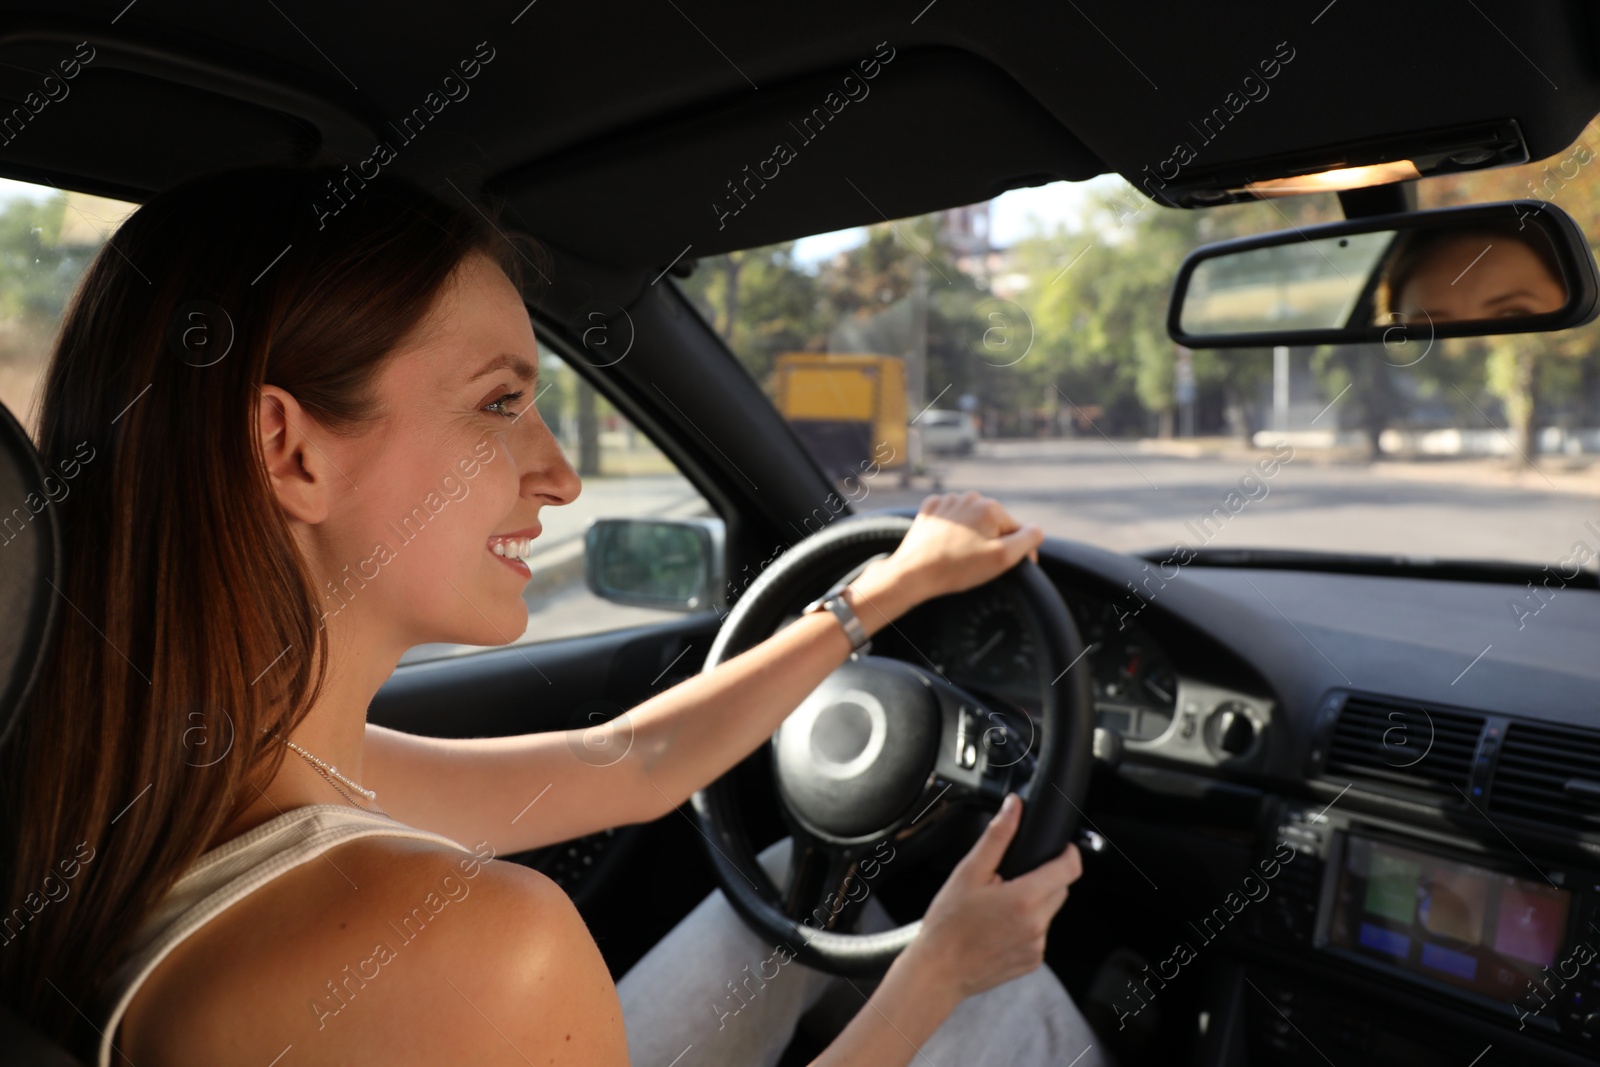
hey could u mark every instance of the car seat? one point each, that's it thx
(30, 563)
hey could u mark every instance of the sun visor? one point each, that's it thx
(894, 134)
(126, 119)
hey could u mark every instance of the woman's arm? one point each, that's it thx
(676, 742)
(522, 792)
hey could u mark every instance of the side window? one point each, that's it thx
(625, 476)
(47, 239)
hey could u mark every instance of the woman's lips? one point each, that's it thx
(516, 565)
(510, 548)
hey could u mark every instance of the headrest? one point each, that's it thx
(30, 561)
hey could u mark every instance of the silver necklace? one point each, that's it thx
(333, 777)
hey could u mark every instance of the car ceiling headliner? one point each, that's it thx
(611, 130)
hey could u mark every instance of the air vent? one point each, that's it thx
(1404, 743)
(1549, 774)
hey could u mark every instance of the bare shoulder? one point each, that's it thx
(386, 951)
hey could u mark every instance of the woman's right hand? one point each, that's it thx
(981, 930)
(956, 542)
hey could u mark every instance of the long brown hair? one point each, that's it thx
(190, 624)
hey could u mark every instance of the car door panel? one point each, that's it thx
(537, 687)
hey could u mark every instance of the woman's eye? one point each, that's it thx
(499, 405)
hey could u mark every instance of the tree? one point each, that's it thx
(1362, 378)
(1100, 294)
(38, 273)
(1514, 372)
(588, 424)
(759, 301)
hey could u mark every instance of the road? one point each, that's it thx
(1133, 496)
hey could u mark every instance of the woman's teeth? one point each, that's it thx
(516, 548)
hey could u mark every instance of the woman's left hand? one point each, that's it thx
(958, 541)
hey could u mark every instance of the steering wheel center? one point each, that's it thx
(855, 755)
(848, 736)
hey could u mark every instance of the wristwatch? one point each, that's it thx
(833, 601)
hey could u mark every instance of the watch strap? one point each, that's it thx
(841, 610)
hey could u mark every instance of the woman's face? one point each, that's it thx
(1472, 277)
(458, 462)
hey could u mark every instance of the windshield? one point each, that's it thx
(1019, 347)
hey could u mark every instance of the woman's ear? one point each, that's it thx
(296, 467)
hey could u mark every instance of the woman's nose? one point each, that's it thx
(550, 475)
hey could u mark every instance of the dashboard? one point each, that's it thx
(1414, 777)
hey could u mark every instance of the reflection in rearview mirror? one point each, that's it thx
(1485, 269)
(1310, 285)
(1472, 274)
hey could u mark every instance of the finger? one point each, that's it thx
(1075, 867)
(992, 520)
(1053, 875)
(984, 856)
(1002, 518)
(1023, 541)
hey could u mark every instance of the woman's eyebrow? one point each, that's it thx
(523, 368)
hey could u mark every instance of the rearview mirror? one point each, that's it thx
(1519, 266)
(669, 564)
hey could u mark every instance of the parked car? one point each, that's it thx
(948, 432)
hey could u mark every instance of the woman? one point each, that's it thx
(271, 391)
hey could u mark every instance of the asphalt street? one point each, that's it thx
(1127, 496)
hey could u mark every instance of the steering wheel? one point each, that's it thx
(883, 750)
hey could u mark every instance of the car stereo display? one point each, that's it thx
(1467, 926)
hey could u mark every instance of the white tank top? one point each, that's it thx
(227, 874)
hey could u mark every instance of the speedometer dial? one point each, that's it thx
(1135, 690)
(988, 645)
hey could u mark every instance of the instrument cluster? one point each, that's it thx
(981, 641)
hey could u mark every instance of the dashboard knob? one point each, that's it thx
(1236, 732)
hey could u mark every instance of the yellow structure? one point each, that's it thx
(848, 408)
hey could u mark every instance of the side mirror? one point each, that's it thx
(1519, 266)
(668, 564)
